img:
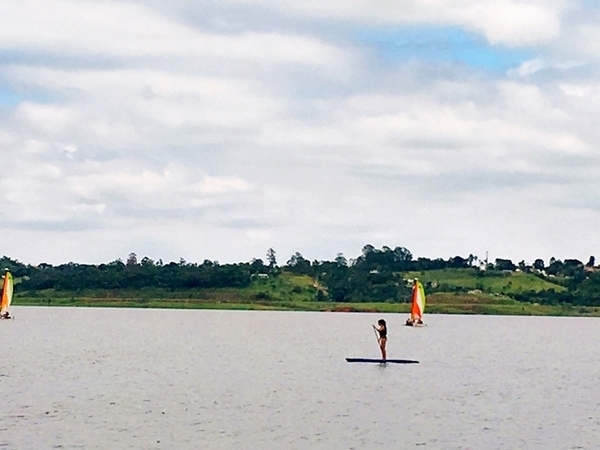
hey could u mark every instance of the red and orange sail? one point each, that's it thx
(7, 292)
(418, 301)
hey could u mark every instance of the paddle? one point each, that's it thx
(376, 334)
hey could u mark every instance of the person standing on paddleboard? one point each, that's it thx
(382, 338)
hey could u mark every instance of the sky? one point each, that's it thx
(218, 129)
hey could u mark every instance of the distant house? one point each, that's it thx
(260, 276)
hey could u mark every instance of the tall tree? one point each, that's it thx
(271, 259)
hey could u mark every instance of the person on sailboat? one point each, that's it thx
(382, 339)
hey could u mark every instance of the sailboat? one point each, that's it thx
(418, 305)
(7, 294)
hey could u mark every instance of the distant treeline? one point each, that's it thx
(375, 275)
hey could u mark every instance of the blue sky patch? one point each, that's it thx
(591, 4)
(443, 45)
(9, 98)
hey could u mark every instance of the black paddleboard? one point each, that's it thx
(382, 361)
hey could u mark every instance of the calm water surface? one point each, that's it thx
(172, 379)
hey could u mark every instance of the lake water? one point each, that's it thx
(174, 379)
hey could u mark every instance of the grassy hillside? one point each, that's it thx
(490, 282)
(299, 292)
(285, 287)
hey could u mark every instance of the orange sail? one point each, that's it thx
(7, 292)
(418, 302)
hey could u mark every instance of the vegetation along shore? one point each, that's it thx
(378, 280)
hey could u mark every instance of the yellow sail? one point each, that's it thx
(7, 292)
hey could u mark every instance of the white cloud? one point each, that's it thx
(501, 22)
(537, 65)
(576, 90)
(514, 23)
(171, 186)
(106, 29)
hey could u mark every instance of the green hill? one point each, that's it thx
(450, 291)
(493, 282)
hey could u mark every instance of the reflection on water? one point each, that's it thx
(156, 379)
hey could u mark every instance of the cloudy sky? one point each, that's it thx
(216, 129)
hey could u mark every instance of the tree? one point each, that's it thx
(402, 254)
(504, 264)
(295, 259)
(132, 260)
(271, 258)
(367, 249)
(341, 260)
(298, 264)
(257, 265)
(591, 262)
(572, 268)
(538, 264)
(147, 262)
(458, 262)
(554, 267)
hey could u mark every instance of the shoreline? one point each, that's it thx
(518, 309)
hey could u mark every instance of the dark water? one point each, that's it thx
(155, 379)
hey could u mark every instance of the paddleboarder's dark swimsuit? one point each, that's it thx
(383, 332)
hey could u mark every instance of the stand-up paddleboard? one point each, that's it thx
(382, 361)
